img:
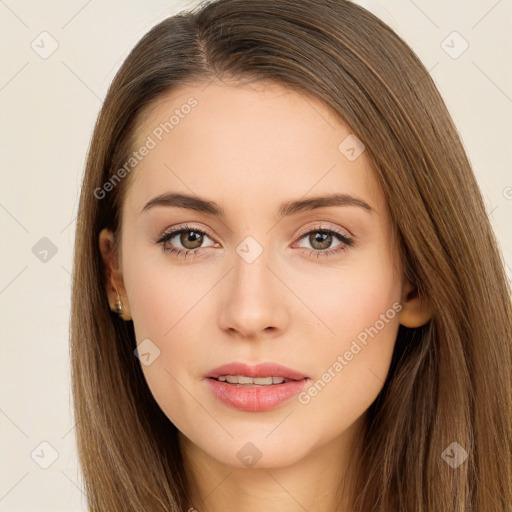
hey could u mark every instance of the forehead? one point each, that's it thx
(260, 144)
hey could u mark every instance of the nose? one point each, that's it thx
(255, 300)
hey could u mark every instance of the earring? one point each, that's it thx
(118, 306)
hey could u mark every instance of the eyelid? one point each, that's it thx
(184, 227)
(346, 240)
(322, 227)
(302, 233)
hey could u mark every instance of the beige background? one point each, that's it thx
(48, 108)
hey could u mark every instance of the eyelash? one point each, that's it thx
(346, 242)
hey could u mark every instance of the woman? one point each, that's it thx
(287, 293)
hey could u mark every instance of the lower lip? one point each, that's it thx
(255, 398)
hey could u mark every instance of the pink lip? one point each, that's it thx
(255, 398)
(259, 370)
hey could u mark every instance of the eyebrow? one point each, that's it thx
(286, 209)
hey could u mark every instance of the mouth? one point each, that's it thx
(255, 388)
(244, 372)
(244, 380)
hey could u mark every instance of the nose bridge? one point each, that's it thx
(252, 277)
(253, 301)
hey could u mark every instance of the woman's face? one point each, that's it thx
(267, 272)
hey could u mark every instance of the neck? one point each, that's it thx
(320, 481)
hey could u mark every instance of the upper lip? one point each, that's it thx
(259, 370)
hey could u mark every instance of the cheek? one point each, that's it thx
(160, 310)
(169, 307)
(349, 380)
(360, 307)
(160, 291)
(351, 297)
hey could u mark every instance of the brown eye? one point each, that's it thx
(186, 240)
(320, 240)
(324, 241)
(191, 239)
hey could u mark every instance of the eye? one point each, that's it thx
(185, 240)
(321, 239)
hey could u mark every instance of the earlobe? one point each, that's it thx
(114, 285)
(416, 310)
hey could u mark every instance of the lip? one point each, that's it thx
(255, 398)
(259, 370)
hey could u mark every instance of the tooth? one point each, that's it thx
(264, 381)
(249, 381)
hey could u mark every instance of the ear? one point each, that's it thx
(114, 283)
(416, 311)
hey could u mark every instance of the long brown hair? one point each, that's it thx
(450, 381)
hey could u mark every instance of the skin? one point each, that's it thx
(251, 148)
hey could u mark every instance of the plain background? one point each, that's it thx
(48, 109)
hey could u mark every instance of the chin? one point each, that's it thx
(258, 451)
